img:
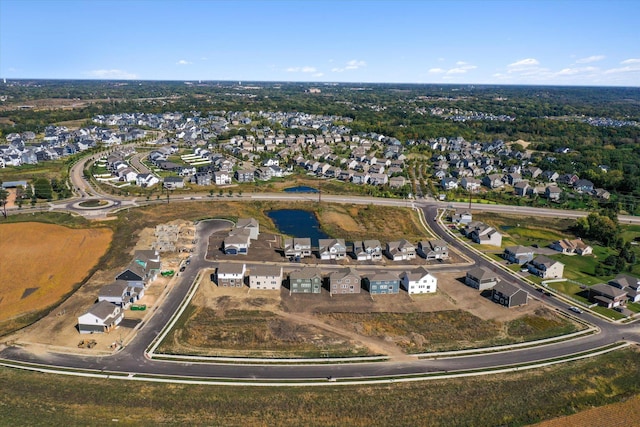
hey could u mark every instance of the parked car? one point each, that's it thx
(576, 310)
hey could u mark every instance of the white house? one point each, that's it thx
(101, 317)
(265, 277)
(222, 178)
(419, 281)
(146, 180)
(231, 275)
(332, 248)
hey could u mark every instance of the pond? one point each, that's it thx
(298, 223)
(301, 189)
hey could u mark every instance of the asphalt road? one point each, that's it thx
(132, 358)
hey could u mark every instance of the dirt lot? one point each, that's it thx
(42, 262)
(621, 414)
(59, 329)
(331, 323)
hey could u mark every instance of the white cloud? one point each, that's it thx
(305, 69)
(436, 70)
(631, 61)
(354, 64)
(318, 75)
(183, 62)
(112, 74)
(626, 69)
(589, 59)
(462, 68)
(574, 71)
(527, 62)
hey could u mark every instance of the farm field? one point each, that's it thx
(43, 262)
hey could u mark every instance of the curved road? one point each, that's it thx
(132, 358)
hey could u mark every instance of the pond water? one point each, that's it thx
(301, 189)
(298, 223)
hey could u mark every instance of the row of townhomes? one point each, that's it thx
(59, 142)
(310, 280)
(127, 288)
(365, 250)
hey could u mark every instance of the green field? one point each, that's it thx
(503, 399)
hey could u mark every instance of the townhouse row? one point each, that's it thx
(311, 280)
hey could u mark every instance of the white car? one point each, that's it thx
(576, 310)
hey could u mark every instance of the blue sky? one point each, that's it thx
(480, 42)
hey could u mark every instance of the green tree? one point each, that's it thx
(42, 189)
(4, 196)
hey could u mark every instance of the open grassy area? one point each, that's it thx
(505, 399)
(253, 333)
(453, 329)
(49, 169)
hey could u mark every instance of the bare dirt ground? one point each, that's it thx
(307, 309)
(621, 414)
(42, 262)
(59, 331)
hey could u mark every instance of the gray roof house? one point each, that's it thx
(101, 317)
(629, 284)
(518, 254)
(481, 278)
(509, 295)
(546, 267)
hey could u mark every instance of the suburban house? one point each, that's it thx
(546, 267)
(552, 193)
(518, 254)
(308, 281)
(493, 181)
(483, 234)
(480, 278)
(299, 247)
(237, 242)
(345, 281)
(332, 249)
(173, 182)
(509, 295)
(265, 277)
(142, 270)
(464, 217)
(576, 246)
(401, 250)
(247, 175)
(231, 275)
(368, 250)
(382, 283)
(120, 293)
(249, 224)
(419, 281)
(629, 284)
(607, 295)
(101, 317)
(146, 180)
(449, 183)
(434, 249)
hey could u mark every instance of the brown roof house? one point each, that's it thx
(575, 246)
(629, 284)
(607, 295)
